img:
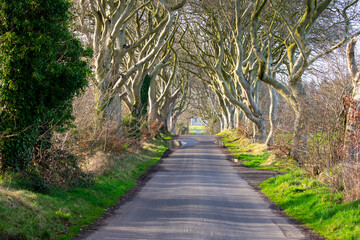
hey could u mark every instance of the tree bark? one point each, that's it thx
(299, 146)
(272, 115)
(239, 118)
(352, 131)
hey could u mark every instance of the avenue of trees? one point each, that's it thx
(273, 69)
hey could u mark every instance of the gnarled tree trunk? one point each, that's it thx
(352, 132)
(272, 115)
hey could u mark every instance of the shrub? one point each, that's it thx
(60, 168)
(41, 71)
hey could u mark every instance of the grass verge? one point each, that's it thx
(313, 203)
(62, 213)
(253, 155)
(302, 197)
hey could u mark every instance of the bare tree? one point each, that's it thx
(127, 37)
(298, 56)
(223, 51)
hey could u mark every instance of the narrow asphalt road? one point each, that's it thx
(196, 194)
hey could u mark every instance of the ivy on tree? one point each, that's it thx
(41, 70)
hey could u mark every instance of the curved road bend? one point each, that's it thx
(196, 195)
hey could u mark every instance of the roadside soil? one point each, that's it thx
(255, 177)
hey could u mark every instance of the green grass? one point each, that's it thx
(304, 198)
(192, 128)
(61, 214)
(252, 155)
(253, 161)
(166, 136)
(313, 204)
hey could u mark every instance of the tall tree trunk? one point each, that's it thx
(222, 124)
(352, 131)
(226, 122)
(114, 112)
(259, 130)
(231, 116)
(173, 125)
(239, 118)
(299, 147)
(272, 115)
(248, 126)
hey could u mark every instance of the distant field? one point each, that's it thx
(196, 130)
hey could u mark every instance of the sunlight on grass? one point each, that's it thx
(62, 213)
(253, 155)
(303, 198)
(313, 204)
(253, 161)
(193, 130)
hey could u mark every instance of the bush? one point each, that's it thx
(60, 168)
(41, 72)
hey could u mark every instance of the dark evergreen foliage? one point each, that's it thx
(41, 70)
(145, 95)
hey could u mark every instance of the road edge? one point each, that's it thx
(132, 193)
(277, 210)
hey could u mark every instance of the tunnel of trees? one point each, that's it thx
(120, 71)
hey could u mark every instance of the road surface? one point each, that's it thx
(196, 194)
